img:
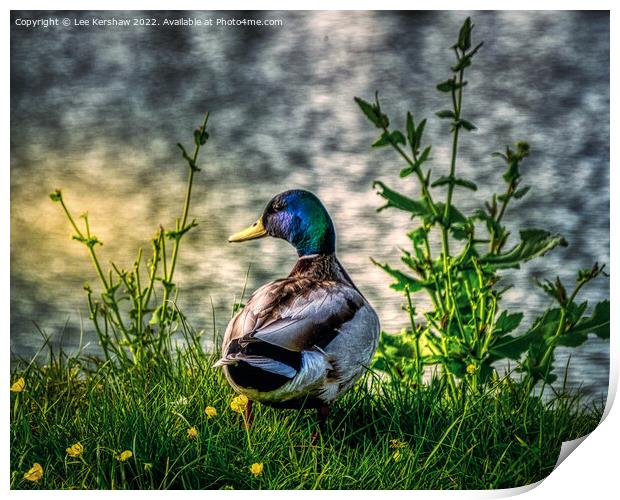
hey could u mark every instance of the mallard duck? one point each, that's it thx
(301, 341)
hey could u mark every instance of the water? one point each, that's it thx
(97, 112)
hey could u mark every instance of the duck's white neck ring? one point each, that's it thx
(315, 255)
(311, 256)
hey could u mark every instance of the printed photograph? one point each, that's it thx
(306, 250)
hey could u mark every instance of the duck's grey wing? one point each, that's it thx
(300, 316)
(282, 320)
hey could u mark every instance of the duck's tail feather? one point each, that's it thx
(267, 364)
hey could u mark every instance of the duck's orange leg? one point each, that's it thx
(249, 417)
(322, 412)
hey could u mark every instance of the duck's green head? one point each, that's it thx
(298, 217)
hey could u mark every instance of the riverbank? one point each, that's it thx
(170, 425)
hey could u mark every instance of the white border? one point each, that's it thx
(590, 472)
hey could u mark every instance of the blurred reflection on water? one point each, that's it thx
(97, 112)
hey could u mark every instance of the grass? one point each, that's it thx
(497, 439)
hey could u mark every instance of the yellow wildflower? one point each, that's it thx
(471, 369)
(192, 433)
(75, 450)
(396, 456)
(239, 403)
(19, 385)
(125, 455)
(35, 473)
(210, 411)
(256, 469)
(396, 444)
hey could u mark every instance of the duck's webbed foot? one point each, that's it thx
(322, 412)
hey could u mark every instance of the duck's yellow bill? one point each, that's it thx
(256, 230)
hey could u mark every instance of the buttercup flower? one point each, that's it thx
(239, 403)
(396, 456)
(75, 450)
(210, 411)
(35, 473)
(19, 385)
(124, 456)
(471, 369)
(256, 469)
(192, 433)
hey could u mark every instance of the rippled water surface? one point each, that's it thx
(97, 112)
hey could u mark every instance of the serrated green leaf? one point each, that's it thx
(456, 366)
(510, 347)
(403, 281)
(491, 223)
(418, 235)
(402, 202)
(507, 322)
(534, 243)
(455, 216)
(597, 323)
(546, 325)
(572, 340)
(460, 231)
(575, 311)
